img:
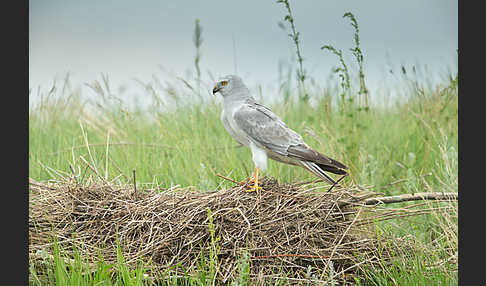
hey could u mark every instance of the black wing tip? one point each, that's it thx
(339, 165)
(304, 152)
(336, 169)
(340, 172)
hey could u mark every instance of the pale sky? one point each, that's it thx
(132, 39)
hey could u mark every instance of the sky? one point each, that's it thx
(129, 40)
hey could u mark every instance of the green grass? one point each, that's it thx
(408, 146)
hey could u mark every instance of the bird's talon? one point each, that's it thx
(253, 189)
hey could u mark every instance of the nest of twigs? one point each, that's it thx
(286, 228)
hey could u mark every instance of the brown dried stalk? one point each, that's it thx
(412, 197)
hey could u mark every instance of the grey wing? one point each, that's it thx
(265, 128)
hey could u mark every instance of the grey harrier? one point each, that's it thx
(256, 126)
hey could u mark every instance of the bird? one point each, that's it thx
(253, 125)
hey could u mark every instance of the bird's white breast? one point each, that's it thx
(230, 125)
(259, 154)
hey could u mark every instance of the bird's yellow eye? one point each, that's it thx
(223, 83)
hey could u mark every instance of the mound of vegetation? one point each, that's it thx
(286, 228)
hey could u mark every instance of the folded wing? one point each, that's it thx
(263, 127)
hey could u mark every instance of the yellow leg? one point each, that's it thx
(255, 186)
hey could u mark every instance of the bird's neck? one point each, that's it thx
(237, 98)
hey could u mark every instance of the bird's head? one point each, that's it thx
(229, 85)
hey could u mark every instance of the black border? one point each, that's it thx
(470, 140)
(15, 131)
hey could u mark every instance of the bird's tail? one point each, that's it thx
(316, 170)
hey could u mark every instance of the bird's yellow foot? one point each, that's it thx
(250, 185)
(253, 186)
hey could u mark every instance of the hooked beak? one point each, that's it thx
(216, 89)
